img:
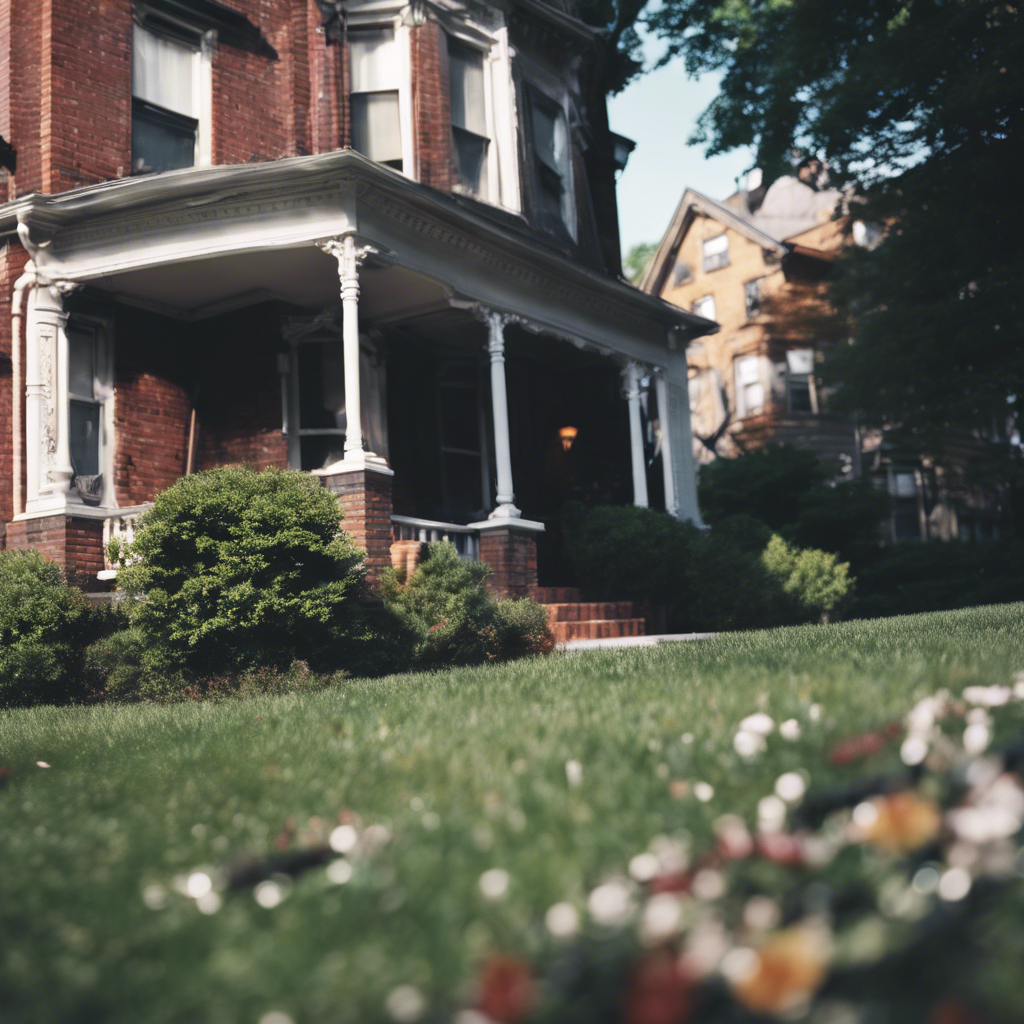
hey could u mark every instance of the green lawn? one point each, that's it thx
(466, 769)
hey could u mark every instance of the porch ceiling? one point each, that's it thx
(302, 276)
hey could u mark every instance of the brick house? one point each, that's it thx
(758, 263)
(375, 241)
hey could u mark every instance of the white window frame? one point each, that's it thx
(503, 187)
(556, 92)
(744, 379)
(701, 304)
(716, 260)
(103, 396)
(205, 42)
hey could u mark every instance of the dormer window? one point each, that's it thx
(470, 138)
(375, 76)
(551, 162)
(167, 100)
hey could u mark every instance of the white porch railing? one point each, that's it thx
(465, 538)
(120, 524)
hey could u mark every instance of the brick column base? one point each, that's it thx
(365, 499)
(406, 555)
(512, 553)
(76, 545)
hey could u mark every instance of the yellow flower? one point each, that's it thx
(899, 823)
(785, 971)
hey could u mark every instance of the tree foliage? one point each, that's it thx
(918, 107)
(637, 259)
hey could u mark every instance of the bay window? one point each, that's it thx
(375, 81)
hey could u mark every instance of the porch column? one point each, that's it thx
(677, 440)
(633, 374)
(499, 406)
(47, 411)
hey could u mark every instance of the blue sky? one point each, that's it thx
(659, 112)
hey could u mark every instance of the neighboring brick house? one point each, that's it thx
(758, 263)
(753, 382)
(237, 230)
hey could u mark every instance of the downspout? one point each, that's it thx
(18, 300)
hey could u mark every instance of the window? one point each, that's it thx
(716, 252)
(752, 298)
(799, 367)
(87, 392)
(470, 142)
(749, 386)
(551, 158)
(682, 273)
(376, 73)
(906, 513)
(166, 97)
(705, 307)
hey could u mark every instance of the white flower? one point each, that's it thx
(988, 696)
(954, 884)
(42, 764)
(977, 737)
(405, 1004)
(643, 867)
(661, 918)
(914, 749)
(759, 723)
(611, 904)
(748, 744)
(791, 786)
(343, 839)
(562, 920)
(494, 883)
(790, 729)
(771, 814)
(703, 791)
(574, 773)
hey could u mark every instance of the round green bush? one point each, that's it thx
(234, 568)
(44, 625)
(454, 620)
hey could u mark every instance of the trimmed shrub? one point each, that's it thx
(712, 580)
(454, 620)
(234, 568)
(44, 626)
(814, 580)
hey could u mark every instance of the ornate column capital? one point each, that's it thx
(632, 375)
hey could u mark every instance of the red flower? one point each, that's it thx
(438, 625)
(779, 848)
(659, 991)
(505, 989)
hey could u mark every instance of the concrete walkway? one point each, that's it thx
(630, 641)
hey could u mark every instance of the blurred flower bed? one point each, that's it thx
(897, 898)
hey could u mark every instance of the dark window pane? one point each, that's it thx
(81, 353)
(470, 159)
(460, 427)
(161, 139)
(85, 438)
(799, 395)
(461, 477)
(752, 295)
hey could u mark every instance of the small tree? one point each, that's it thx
(814, 580)
(233, 568)
(44, 625)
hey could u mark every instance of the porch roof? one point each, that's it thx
(132, 223)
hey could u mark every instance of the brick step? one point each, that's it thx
(580, 611)
(598, 629)
(555, 595)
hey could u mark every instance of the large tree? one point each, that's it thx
(918, 106)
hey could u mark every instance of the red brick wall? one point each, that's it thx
(365, 499)
(239, 390)
(21, 37)
(432, 106)
(76, 544)
(86, 91)
(512, 554)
